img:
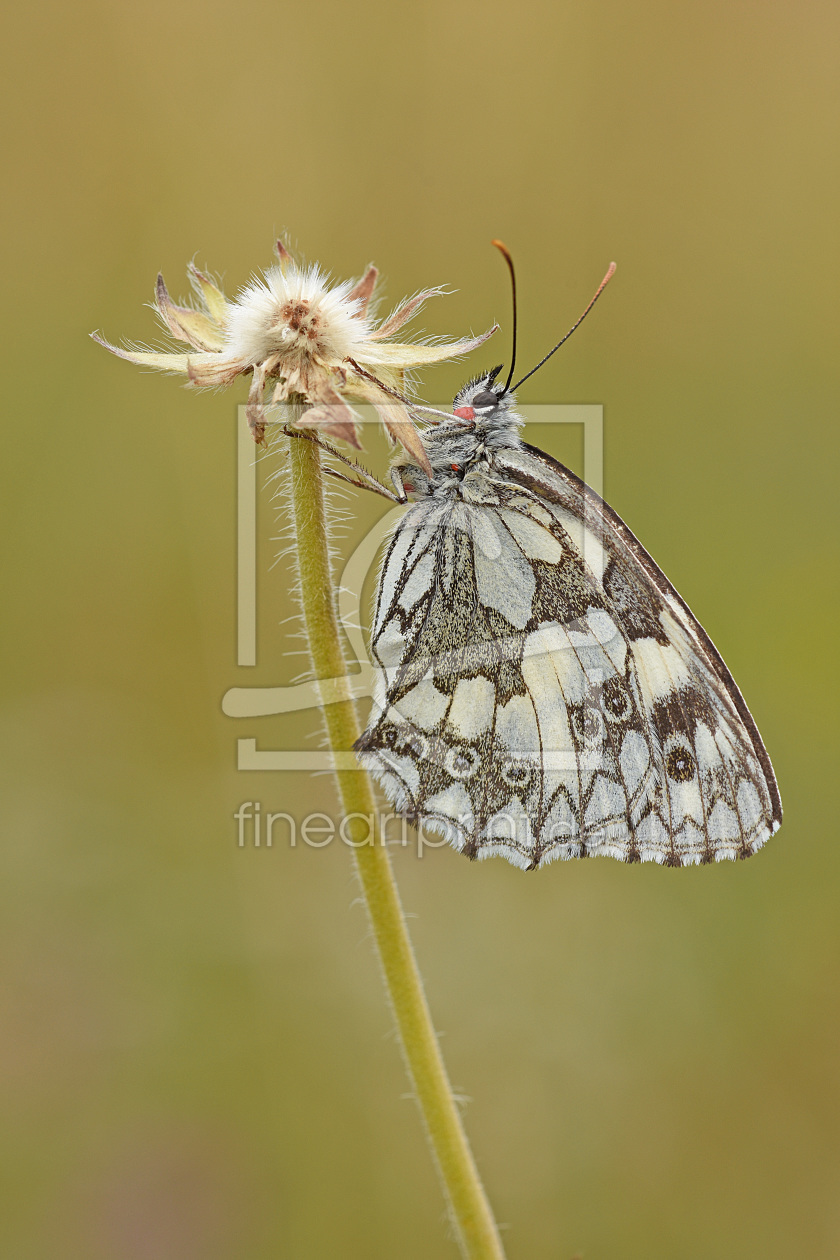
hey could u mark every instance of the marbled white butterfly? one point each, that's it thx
(542, 690)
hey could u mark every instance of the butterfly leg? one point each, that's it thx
(399, 486)
(367, 482)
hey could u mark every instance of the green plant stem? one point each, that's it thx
(473, 1220)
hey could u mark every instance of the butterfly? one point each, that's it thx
(541, 689)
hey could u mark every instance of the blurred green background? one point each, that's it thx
(197, 1059)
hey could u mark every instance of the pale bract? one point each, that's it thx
(295, 332)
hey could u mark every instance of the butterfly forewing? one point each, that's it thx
(542, 690)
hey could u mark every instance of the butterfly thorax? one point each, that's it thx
(484, 421)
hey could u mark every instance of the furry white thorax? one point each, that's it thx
(456, 447)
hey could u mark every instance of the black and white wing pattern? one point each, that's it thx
(543, 691)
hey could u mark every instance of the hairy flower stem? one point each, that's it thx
(476, 1231)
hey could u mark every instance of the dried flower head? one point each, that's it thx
(296, 334)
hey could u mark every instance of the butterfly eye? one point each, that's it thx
(485, 398)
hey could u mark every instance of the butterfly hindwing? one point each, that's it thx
(543, 691)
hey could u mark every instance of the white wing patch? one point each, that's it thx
(424, 705)
(495, 552)
(472, 708)
(661, 666)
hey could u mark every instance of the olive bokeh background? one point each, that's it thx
(197, 1057)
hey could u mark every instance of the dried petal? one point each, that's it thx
(208, 370)
(334, 417)
(212, 296)
(186, 324)
(363, 291)
(403, 313)
(401, 354)
(402, 429)
(254, 409)
(283, 255)
(148, 358)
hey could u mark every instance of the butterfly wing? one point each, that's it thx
(543, 690)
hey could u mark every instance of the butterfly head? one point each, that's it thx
(488, 409)
(484, 420)
(480, 398)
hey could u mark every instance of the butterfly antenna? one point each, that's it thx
(505, 252)
(598, 292)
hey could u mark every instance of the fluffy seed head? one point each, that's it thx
(292, 330)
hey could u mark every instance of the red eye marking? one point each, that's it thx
(464, 413)
(454, 467)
